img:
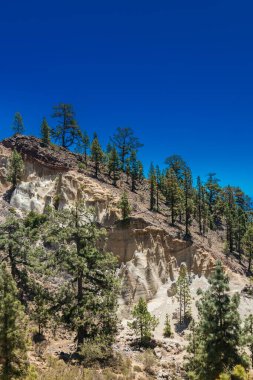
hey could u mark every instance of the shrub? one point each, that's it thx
(239, 373)
(95, 350)
(167, 333)
(81, 166)
(149, 361)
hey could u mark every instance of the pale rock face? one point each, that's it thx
(149, 258)
(148, 255)
(41, 187)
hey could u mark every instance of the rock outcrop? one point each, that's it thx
(149, 252)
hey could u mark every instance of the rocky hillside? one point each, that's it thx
(149, 250)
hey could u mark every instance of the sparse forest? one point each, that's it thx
(57, 275)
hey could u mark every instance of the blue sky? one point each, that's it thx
(178, 72)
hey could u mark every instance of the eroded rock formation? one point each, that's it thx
(148, 254)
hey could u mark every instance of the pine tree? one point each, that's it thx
(41, 312)
(213, 191)
(217, 335)
(67, 132)
(160, 180)
(248, 244)
(96, 154)
(173, 194)
(178, 165)
(83, 144)
(17, 241)
(187, 191)
(125, 207)
(114, 165)
(152, 186)
(133, 169)
(13, 331)
(18, 125)
(88, 299)
(240, 229)
(140, 171)
(15, 168)
(167, 332)
(248, 334)
(230, 217)
(199, 205)
(45, 132)
(144, 323)
(183, 294)
(125, 142)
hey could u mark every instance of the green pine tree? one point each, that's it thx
(67, 131)
(152, 186)
(217, 335)
(200, 205)
(241, 221)
(178, 165)
(248, 244)
(45, 132)
(125, 142)
(248, 335)
(213, 192)
(187, 191)
(173, 194)
(15, 168)
(83, 145)
(167, 332)
(160, 180)
(96, 154)
(18, 125)
(144, 323)
(125, 206)
(88, 299)
(40, 313)
(183, 294)
(133, 169)
(113, 165)
(13, 331)
(140, 171)
(230, 217)
(18, 239)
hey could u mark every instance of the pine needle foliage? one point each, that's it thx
(13, 330)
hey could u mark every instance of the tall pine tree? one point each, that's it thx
(96, 154)
(18, 124)
(248, 244)
(15, 168)
(45, 132)
(125, 142)
(67, 132)
(173, 194)
(88, 299)
(152, 186)
(13, 331)
(183, 294)
(217, 335)
(187, 191)
(113, 165)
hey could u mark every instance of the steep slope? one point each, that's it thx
(149, 250)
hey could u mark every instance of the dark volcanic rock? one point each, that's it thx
(53, 157)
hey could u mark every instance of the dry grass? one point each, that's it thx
(58, 370)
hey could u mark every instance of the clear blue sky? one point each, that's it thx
(180, 73)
